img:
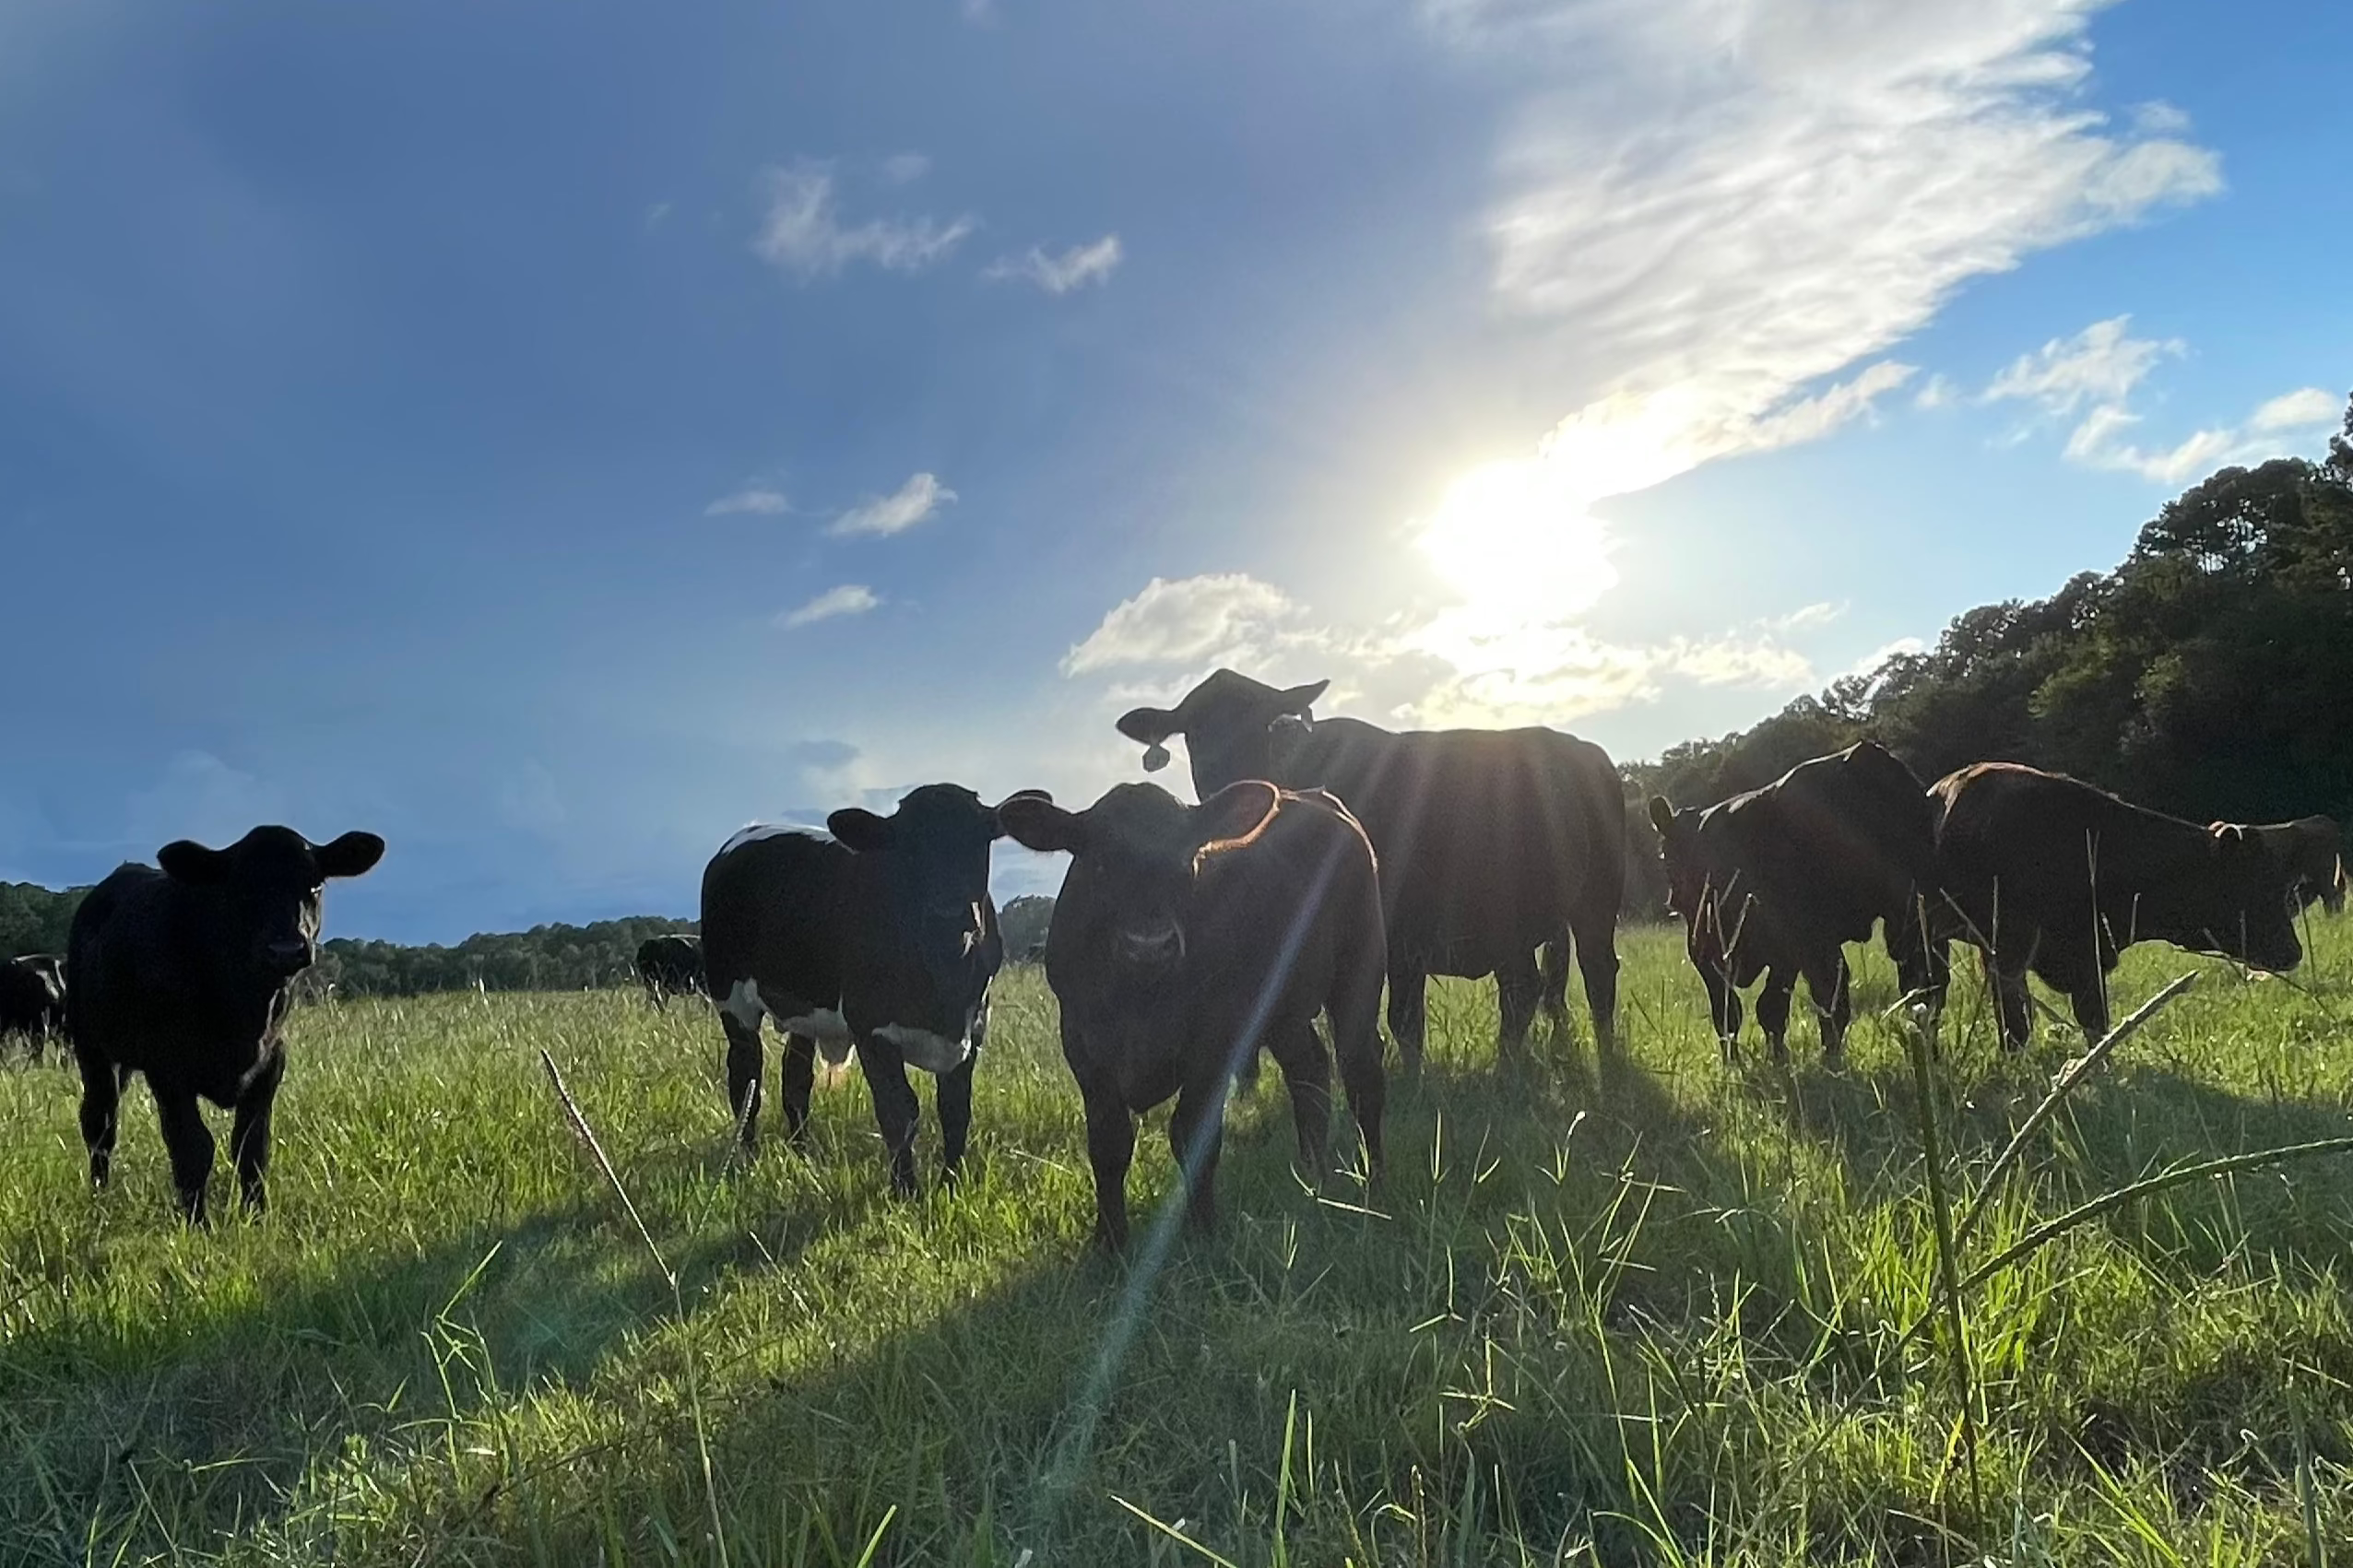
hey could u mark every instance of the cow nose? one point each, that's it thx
(1163, 946)
(289, 958)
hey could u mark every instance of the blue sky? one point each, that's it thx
(553, 437)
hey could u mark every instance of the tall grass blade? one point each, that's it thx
(1923, 1046)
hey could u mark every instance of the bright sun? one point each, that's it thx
(1515, 539)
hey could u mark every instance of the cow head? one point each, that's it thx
(925, 944)
(2254, 913)
(1234, 729)
(1139, 853)
(1679, 850)
(269, 885)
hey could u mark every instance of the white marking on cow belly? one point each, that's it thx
(828, 1028)
(754, 831)
(743, 1004)
(932, 1053)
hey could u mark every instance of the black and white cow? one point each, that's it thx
(186, 974)
(32, 999)
(878, 936)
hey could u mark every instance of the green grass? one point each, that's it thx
(1652, 1321)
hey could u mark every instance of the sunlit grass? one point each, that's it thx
(1651, 1321)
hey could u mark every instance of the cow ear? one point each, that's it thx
(186, 860)
(1234, 815)
(1153, 726)
(1662, 816)
(996, 812)
(1034, 821)
(353, 854)
(859, 829)
(1299, 699)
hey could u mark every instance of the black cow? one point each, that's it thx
(185, 974)
(1492, 843)
(878, 936)
(2313, 851)
(1776, 881)
(32, 999)
(669, 966)
(2048, 873)
(1187, 936)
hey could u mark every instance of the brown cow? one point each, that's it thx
(2048, 873)
(1185, 937)
(1492, 843)
(1775, 881)
(2312, 849)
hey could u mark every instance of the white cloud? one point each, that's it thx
(922, 495)
(802, 232)
(850, 598)
(1803, 616)
(2099, 365)
(1224, 618)
(755, 499)
(1732, 202)
(1074, 268)
(903, 168)
(2094, 374)
(1869, 664)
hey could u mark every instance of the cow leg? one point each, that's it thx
(1408, 1012)
(2010, 1000)
(101, 1097)
(1830, 985)
(1518, 984)
(189, 1142)
(1308, 1073)
(955, 1116)
(1597, 962)
(795, 1072)
(249, 1134)
(1723, 1008)
(744, 1055)
(895, 1110)
(2089, 999)
(1196, 1131)
(1773, 1011)
(1111, 1147)
(1552, 983)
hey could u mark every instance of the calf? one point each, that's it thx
(669, 966)
(185, 974)
(2047, 874)
(1187, 936)
(32, 999)
(2313, 851)
(879, 936)
(1775, 881)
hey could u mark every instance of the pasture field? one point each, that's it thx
(1650, 1317)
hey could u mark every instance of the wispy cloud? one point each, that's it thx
(1074, 268)
(756, 500)
(902, 168)
(850, 598)
(921, 496)
(1734, 201)
(803, 233)
(656, 214)
(2094, 374)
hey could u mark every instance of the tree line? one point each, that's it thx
(2210, 675)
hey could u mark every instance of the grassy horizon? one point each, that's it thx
(1654, 1320)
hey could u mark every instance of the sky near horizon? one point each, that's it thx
(553, 437)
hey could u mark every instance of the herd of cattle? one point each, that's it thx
(1326, 860)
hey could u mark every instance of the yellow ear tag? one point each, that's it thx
(1156, 758)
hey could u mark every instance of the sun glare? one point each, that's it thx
(1515, 539)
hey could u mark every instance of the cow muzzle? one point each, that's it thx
(288, 958)
(1153, 946)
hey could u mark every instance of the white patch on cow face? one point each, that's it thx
(826, 1027)
(755, 832)
(921, 1048)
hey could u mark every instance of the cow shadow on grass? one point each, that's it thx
(140, 1431)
